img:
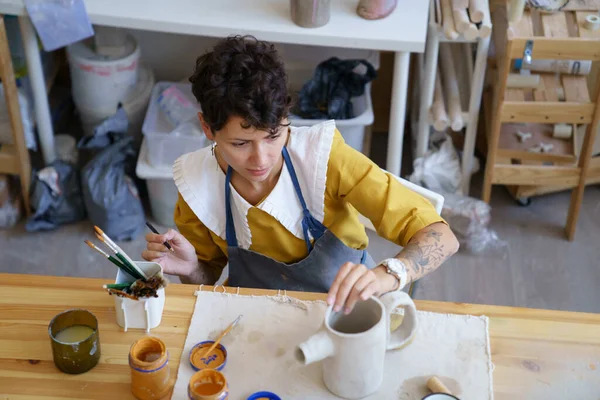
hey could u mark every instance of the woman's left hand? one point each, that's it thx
(353, 282)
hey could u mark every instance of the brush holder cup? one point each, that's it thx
(145, 313)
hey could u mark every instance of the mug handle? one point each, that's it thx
(407, 329)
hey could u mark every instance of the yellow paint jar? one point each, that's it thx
(149, 364)
(208, 384)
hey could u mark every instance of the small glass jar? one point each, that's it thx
(208, 384)
(150, 373)
(75, 341)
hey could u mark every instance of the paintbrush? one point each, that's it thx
(120, 251)
(225, 332)
(153, 229)
(127, 266)
(117, 286)
(110, 258)
(121, 293)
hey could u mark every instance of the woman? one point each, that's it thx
(279, 203)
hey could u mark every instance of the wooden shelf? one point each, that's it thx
(9, 159)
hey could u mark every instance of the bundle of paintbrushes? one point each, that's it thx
(144, 286)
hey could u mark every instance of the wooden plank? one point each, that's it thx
(549, 90)
(9, 161)
(558, 49)
(515, 154)
(535, 176)
(586, 33)
(572, 24)
(582, 5)
(514, 95)
(547, 112)
(554, 25)
(521, 28)
(576, 89)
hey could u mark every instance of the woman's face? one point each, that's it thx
(253, 154)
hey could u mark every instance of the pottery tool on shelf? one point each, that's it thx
(120, 252)
(153, 229)
(225, 332)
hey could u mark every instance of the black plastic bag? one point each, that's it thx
(109, 191)
(329, 93)
(55, 197)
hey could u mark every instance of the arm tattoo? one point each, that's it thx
(424, 255)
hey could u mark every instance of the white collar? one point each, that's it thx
(202, 185)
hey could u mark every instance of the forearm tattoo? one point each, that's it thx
(425, 255)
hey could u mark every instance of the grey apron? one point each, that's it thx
(315, 273)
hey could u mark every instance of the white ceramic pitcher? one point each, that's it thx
(353, 346)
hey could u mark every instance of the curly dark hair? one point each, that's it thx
(242, 77)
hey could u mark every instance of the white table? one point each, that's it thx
(404, 31)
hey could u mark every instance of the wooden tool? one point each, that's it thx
(225, 332)
(523, 81)
(485, 27)
(477, 10)
(450, 84)
(448, 21)
(461, 19)
(436, 386)
(438, 108)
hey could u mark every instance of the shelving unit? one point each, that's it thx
(556, 36)
(475, 73)
(14, 159)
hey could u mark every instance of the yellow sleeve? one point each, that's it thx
(204, 241)
(396, 212)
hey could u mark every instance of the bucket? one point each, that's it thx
(100, 81)
(135, 104)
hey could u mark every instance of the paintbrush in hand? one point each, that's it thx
(153, 229)
(225, 332)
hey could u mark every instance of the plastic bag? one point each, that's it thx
(439, 170)
(178, 108)
(27, 120)
(55, 197)
(109, 192)
(329, 93)
(59, 22)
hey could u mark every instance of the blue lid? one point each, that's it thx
(263, 396)
(518, 63)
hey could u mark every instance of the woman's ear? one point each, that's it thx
(206, 128)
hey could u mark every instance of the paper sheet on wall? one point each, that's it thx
(261, 350)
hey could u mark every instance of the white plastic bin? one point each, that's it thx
(165, 143)
(353, 130)
(143, 313)
(161, 188)
(300, 64)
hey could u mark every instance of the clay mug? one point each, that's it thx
(353, 346)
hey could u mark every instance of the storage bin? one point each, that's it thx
(143, 313)
(162, 191)
(165, 143)
(353, 130)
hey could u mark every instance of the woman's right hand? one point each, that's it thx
(182, 261)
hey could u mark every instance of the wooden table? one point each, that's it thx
(535, 352)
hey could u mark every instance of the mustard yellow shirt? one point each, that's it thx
(353, 182)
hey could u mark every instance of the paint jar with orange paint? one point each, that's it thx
(208, 384)
(150, 373)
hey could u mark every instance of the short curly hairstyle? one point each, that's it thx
(242, 77)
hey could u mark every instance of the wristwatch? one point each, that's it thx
(396, 268)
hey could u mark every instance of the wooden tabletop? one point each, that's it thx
(537, 354)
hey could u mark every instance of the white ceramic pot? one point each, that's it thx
(353, 346)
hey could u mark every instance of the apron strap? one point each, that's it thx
(229, 225)
(309, 223)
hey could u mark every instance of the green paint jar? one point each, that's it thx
(75, 341)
